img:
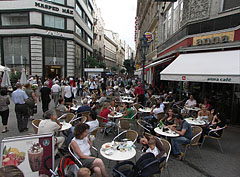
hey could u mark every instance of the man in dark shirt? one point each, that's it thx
(85, 107)
(44, 95)
(185, 133)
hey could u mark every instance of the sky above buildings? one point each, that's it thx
(119, 16)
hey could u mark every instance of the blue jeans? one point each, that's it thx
(175, 144)
(147, 117)
(69, 136)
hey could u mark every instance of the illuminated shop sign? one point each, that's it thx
(214, 39)
(53, 8)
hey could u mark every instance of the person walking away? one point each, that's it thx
(68, 93)
(91, 85)
(20, 98)
(44, 96)
(56, 90)
(31, 101)
(4, 110)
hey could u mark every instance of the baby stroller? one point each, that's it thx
(145, 166)
(67, 167)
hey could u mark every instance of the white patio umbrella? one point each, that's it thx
(23, 79)
(2, 68)
(6, 80)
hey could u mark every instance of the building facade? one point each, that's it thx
(48, 38)
(197, 26)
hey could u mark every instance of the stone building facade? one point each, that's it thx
(48, 38)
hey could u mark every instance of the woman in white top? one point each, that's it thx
(68, 93)
(81, 146)
(205, 114)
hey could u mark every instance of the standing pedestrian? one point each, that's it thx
(20, 98)
(32, 99)
(68, 93)
(4, 110)
(56, 90)
(44, 95)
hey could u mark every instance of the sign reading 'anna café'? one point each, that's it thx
(53, 8)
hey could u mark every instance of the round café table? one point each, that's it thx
(116, 115)
(192, 109)
(168, 133)
(117, 155)
(128, 101)
(194, 121)
(145, 110)
(65, 126)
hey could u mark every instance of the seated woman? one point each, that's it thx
(114, 107)
(81, 146)
(217, 122)
(168, 120)
(61, 107)
(205, 102)
(105, 110)
(128, 111)
(86, 93)
(145, 142)
(205, 114)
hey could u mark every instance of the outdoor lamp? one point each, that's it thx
(144, 46)
(143, 51)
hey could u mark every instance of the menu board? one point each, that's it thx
(28, 153)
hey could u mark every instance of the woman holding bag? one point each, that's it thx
(4, 110)
(32, 99)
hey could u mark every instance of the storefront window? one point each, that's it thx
(54, 21)
(16, 53)
(54, 57)
(12, 19)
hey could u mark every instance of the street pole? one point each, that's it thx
(143, 70)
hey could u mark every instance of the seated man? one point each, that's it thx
(155, 110)
(85, 107)
(185, 133)
(61, 107)
(191, 102)
(102, 99)
(51, 125)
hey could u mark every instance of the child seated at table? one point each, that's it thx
(152, 147)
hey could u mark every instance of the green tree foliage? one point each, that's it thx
(91, 62)
(130, 66)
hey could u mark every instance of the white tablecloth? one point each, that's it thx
(117, 155)
(65, 126)
(116, 115)
(194, 121)
(168, 133)
(145, 110)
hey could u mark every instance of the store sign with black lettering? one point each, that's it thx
(54, 8)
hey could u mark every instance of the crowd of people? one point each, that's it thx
(98, 96)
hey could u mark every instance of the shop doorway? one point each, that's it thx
(53, 71)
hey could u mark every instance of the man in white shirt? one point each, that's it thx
(92, 121)
(56, 90)
(191, 102)
(91, 85)
(51, 125)
(155, 110)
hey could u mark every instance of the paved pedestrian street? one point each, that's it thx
(211, 162)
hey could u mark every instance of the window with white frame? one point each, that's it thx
(54, 21)
(172, 19)
(89, 40)
(89, 24)
(79, 10)
(230, 4)
(79, 31)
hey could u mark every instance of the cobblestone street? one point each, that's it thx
(211, 162)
